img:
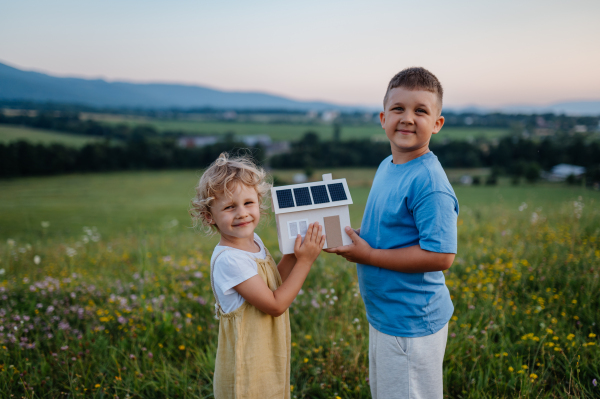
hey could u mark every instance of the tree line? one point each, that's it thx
(517, 157)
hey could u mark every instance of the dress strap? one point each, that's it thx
(218, 308)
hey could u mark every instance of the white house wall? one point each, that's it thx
(286, 245)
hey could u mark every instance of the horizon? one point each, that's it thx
(532, 53)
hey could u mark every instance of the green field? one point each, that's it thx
(104, 291)
(10, 133)
(288, 131)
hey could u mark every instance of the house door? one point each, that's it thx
(333, 231)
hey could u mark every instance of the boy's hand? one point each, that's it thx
(309, 249)
(357, 252)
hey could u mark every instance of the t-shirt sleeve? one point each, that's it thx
(435, 217)
(233, 268)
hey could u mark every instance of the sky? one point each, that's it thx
(485, 53)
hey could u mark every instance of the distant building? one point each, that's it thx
(561, 171)
(196, 141)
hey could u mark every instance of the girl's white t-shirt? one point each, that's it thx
(233, 267)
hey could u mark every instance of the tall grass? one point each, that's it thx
(124, 307)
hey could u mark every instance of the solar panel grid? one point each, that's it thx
(337, 192)
(302, 196)
(285, 199)
(319, 194)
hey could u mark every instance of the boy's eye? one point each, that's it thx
(397, 109)
(421, 110)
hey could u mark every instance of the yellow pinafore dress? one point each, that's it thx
(254, 348)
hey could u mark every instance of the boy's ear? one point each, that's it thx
(438, 124)
(382, 119)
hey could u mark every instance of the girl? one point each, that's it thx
(252, 293)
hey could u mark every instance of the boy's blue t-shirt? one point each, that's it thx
(409, 204)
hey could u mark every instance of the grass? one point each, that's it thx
(287, 130)
(10, 133)
(104, 291)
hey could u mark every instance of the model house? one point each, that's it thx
(298, 205)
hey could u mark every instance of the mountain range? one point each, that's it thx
(21, 85)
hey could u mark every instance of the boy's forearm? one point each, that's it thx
(410, 259)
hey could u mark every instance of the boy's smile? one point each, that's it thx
(409, 119)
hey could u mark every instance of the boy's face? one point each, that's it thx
(238, 216)
(410, 118)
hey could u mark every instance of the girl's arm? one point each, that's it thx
(275, 303)
(285, 266)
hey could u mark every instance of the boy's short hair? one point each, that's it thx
(416, 78)
(221, 177)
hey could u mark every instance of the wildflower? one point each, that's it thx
(64, 348)
(305, 360)
(132, 356)
(97, 386)
(570, 337)
(594, 382)
(524, 367)
(533, 376)
(37, 259)
(511, 369)
(307, 337)
(181, 347)
(291, 388)
(592, 335)
(150, 355)
(45, 224)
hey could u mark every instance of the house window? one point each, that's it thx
(296, 227)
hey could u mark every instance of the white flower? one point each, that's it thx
(37, 259)
(522, 207)
(71, 252)
(2, 271)
(45, 224)
(10, 242)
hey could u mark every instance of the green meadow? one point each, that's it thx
(286, 130)
(105, 292)
(11, 133)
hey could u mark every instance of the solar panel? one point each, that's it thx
(302, 196)
(285, 199)
(319, 194)
(337, 192)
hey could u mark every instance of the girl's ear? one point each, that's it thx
(208, 217)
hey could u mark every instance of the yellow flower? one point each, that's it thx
(524, 367)
(574, 301)
(591, 343)
(97, 386)
(117, 378)
(305, 360)
(104, 319)
(570, 337)
(555, 338)
(199, 328)
(188, 315)
(291, 388)
(294, 344)
(549, 331)
(511, 369)
(533, 376)
(592, 335)
(307, 337)
(520, 372)
(181, 347)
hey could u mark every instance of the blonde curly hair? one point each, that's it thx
(221, 177)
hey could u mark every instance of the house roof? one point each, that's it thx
(307, 196)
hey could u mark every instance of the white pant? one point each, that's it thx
(401, 367)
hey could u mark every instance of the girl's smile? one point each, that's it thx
(236, 217)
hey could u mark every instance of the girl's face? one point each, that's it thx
(238, 216)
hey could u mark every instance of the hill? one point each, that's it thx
(16, 84)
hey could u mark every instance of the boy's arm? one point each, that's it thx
(407, 260)
(285, 266)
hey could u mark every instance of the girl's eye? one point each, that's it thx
(249, 203)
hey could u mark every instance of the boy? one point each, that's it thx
(407, 238)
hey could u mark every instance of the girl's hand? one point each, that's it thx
(309, 249)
